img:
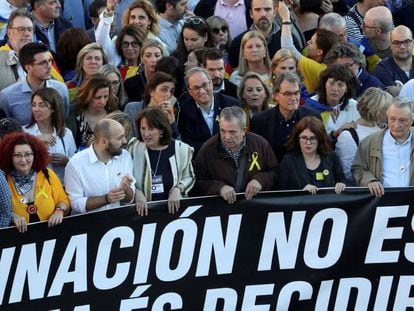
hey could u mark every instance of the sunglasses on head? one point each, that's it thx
(193, 20)
(217, 30)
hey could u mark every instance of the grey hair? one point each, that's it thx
(285, 76)
(401, 103)
(331, 20)
(345, 49)
(194, 70)
(234, 112)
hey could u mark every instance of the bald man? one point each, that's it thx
(395, 71)
(377, 28)
(100, 177)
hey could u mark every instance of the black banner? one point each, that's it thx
(278, 251)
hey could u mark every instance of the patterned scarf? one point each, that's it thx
(23, 183)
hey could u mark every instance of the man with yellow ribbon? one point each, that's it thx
(234, 160)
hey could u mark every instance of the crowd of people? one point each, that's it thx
(106, 103)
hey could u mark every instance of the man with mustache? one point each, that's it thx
(266, 22)
(235, 160)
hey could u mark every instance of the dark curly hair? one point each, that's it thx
(314, 125)
(338, 73)
(41, 154)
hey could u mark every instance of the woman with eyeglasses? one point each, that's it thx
(221, 38)
(140, 13)
(159, 92)
(92, 103)
(254, 57)
(115, 80)
(151, 52)
(333, 99)
(89, 61)
(37, 193)
(310, 164)
(48, 124)
(195, 34)
(162, 165)
(254, 94)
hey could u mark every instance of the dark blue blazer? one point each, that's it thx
(191, 125)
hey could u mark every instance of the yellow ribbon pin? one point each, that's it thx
(254, 163)
(42, 192)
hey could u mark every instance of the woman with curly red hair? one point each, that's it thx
(37, 193)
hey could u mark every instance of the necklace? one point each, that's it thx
(154, 173)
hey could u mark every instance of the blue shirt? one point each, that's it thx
(17, 100)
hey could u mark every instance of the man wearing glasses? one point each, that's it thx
(395, 71)
(384, 159)
(6, 8)
(276, 124)
(198, 116)
(36, 60)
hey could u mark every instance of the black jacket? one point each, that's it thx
(191, 125)
(265, 124)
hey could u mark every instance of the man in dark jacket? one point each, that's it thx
(235, 160)
(49, 25)
(198, 115)
(276, 124)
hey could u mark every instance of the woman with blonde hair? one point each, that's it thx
(89, 61)
(253, 56)
(115, 79)
(372, 107)
(254, 95)
(284, 60)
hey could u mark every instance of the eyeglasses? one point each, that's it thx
(197, 89)
(22, 29)
(350, 64)
(45, 63)
(26, 156)
(290, 94)
(368, 27)
(193, 20)
(312, 140)
(402, 121)
(126, 44)
(217, 30)
(115, 82)
(398, 44)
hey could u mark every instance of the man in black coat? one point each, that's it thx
(199, 112)
(276, 124)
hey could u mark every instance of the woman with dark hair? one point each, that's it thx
(159, 92)
(333, 99)
(48, 124)
(311, 163)
(151, 53)
(92, 103)
(162, 165)
(70, 42)
(89, 61)
(171, 65)
(254, 94)
(128, 46)
(37, 193)
(194, 34)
